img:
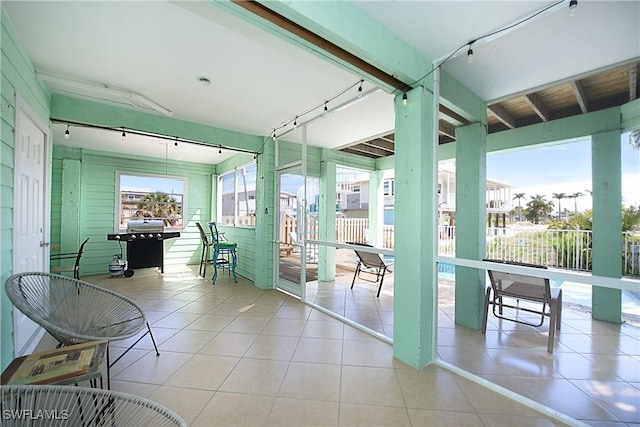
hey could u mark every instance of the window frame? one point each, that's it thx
(118, 217)
(236, 190)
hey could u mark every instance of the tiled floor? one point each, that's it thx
(232, 354)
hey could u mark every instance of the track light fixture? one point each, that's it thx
(67, 135)
(573, 5)
(124, 135)
(404, 99)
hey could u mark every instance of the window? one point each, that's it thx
(389, 187)
(150, 197)
(355, 188)
(237, 196)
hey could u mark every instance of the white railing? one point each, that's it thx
(570, 249)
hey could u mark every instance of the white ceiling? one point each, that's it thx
(159, 49)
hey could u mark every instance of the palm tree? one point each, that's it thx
(559, 196)
(160, 205)
(538, 207)
(519, 196)
(575, 196)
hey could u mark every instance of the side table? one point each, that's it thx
(62, 366)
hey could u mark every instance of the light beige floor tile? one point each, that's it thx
(187, 341)
(229, 344)
(211, 322)
(152, 369)
(247, 325)
(160, 335)
(370, 386)
(134, 388)
(512, 420)
(367, 353)
(435, 418)
(256, 376)
(368, 415)
(203, 371)
(273, 347)
(131, 357)
(312, 381)
(285, 327)
(199, 306)
(185, 402)
(176, 320)
(294, 412)
(319, 350)
(324, 329)
(231, 409)
(432, 388)
(298, 311)
(257, 310)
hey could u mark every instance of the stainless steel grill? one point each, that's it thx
(146, 226)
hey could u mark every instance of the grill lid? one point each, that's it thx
(155, 226)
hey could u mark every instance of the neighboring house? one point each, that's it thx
(353, 197)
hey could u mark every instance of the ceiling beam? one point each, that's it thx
(633, 82)
(447, 128)
(538, 106)
(324, 44)
(580, 97)
(503, 115)
(381, 144)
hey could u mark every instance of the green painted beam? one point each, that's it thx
(266, 211)
(471, 177)
(83, 111)
(415, 231)
(376, 208)
(71, 202)
(460, 99)
(327, 221)
(606, 169)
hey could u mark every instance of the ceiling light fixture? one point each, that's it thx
(573, 5)
(204, 81)
(404, 99)
(220, 150)
(295, 123)
(360, 89)
(124, 135)
(67, 135)
(470, 57)
(175, 144)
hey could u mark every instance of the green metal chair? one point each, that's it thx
(225, 256)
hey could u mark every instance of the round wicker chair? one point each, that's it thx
(80, 406)
(74, 312)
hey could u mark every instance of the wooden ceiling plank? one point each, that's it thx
(580, 97)
(447, 129)
(633, 82)
(383, 145)
(538, 106)
(503, 115)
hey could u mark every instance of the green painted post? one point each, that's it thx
(470, 222)
(327, 221)
(606, 169)
(70, 216)
(415, 277)
(376, 208)
(265, 216)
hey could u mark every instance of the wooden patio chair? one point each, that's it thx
(75, 312)
(370, 264)
(508, 290)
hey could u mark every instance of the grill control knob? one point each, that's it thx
(142, 236)
(159, 236)
(117, 237)
(133, 237)
(150, 236)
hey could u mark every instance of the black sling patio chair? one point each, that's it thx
(369, 265)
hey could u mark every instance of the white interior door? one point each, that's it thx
(29, 202)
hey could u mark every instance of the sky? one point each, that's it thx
(563, 168)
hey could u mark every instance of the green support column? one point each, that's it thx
(70, 215)
(471, 211)
(415, 224)
(327, 217)
(376, 209)
(265, 217)
(606, 169)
